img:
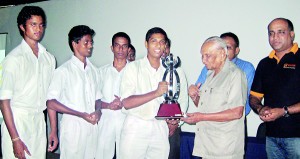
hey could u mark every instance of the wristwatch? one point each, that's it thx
(286, 111)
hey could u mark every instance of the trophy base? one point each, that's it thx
(169, 111)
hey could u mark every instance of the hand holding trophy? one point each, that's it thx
(170, 108)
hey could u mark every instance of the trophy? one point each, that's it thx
(170, 108)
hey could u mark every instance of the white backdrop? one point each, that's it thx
(188, 23)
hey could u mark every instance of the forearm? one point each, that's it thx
(294, 109)
(53, 119)
(98, 105)
(255, 103)
(57, 106)
(224, 116)
(137, 100)
(8, 118)
(105, 105)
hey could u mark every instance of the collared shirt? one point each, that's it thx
(226, 90)
(245, 66)
(25, 78)
(110, 79)
(278, 83)
(139, 78)
(75, 86)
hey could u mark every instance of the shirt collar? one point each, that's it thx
(294, 49)
(80, 64)
(28, 50)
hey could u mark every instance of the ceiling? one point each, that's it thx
(9, 3)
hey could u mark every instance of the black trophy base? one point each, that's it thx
(169, 111)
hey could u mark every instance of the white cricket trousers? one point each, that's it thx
(78, 138)
(109, 133)
(31, 127)
(144, 139)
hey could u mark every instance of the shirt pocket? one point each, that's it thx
(217, 100)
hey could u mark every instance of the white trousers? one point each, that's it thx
(32, 131)
(109, 133)
(144, 139)
(78, 138)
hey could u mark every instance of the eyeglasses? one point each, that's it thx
(35, 25)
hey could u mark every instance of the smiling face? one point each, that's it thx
(84, 47)
(156, 45)
(280, 36)
(33, 29)
(120, 48)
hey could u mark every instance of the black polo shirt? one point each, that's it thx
(278, 82)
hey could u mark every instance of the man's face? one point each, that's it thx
(34, 28)
(156, 45)
(212, 56)
(232, 49)
(84, 47)
(131, 55)
(120, 48)
(280, 38)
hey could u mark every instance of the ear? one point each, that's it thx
(74, 45)
(292, 33)
(237, 51)
(112, 48)
(22, 27)
(146, 44)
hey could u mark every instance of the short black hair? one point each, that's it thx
(26, 13)
(155, 30)
(233, 36)
(120, 34)
(77, 32)
(132, 47)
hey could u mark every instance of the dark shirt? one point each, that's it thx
(278, 82)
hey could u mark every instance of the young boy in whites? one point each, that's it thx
(142, 91)
(74, 91)
(112, 117)
(26, 74)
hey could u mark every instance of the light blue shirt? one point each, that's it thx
(245, 66)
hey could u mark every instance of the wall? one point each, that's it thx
(188, 24)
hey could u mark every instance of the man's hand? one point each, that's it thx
(53, 141)
(173, 125)
(270, 114)
(116, 104)
(19, 148)
(96, 115)
(194, 93)
(161, 89)
(192, 118)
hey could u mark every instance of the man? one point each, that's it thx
(131, 53)
(276, 81)
(220, 120)
(26, 74)
(73, 91)
(142, 92)
(233, 50)
(174, 128)
(112, 118)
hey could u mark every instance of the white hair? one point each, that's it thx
(219, 41)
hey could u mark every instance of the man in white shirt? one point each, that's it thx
(25, 77)
(112, 117)
(74, 91)
(142, 91)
